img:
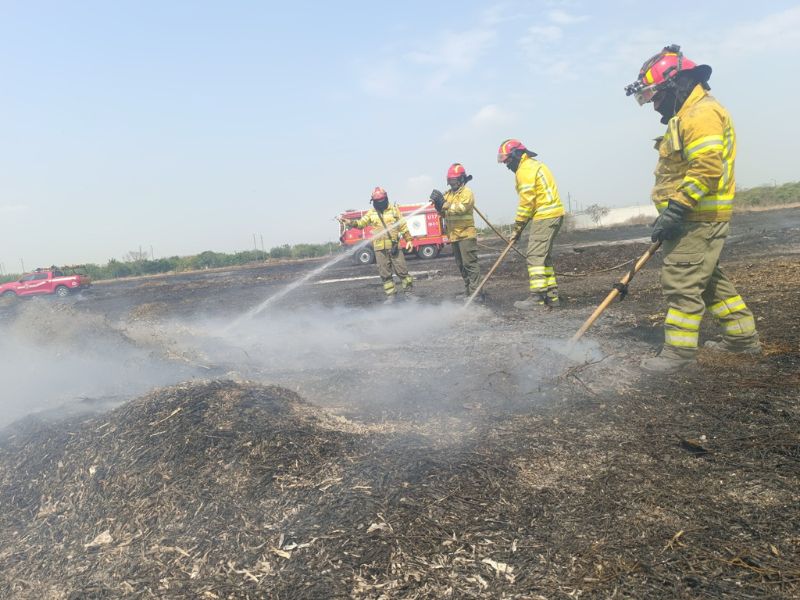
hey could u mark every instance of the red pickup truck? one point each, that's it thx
(46, 281)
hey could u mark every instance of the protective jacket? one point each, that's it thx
(695, 160)
(458, 207)
(382, 237)
(538, 192)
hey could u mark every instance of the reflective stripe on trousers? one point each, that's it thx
(541, 273)
(389, 265)
(682, 329)
(734, 317)
(542, 278)
(693, 281)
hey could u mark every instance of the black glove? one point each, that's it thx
(669, 223)
(518, 228)
(395, 248)
(438, 200)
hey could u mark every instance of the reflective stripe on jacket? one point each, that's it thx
(695, 159)
(538, 192)
(380, 239)
(458, 214)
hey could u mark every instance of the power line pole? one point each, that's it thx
(569, 202)
(255, 245)
(262, 245)
(22, 262)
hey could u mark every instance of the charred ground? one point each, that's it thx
(461, 479)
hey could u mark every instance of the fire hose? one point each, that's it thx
(620, 289)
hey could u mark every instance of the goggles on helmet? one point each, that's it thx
(642, 93)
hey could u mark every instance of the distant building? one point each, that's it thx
(644, 213)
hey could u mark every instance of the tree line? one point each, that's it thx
(137, 263)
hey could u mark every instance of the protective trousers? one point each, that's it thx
(466, 254)
(541, 273)
(692, 281)
(388, 263)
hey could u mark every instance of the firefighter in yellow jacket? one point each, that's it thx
(538, 201)
(388, 226)
(693, 192)
(457, 206)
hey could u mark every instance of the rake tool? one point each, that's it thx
(619, 289)
(491, 271)
(500, 235)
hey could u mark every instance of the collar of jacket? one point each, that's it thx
(459, 192)
(389, 209)
(698, 93)
(526, 165)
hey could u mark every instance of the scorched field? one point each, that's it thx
(159, 442)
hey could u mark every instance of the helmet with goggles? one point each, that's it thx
(658, 73)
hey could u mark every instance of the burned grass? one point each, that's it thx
(226, 490)
(617, 487)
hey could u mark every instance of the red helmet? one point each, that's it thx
(379, 194)
(508, 147)
(456, 171)
(659, 70)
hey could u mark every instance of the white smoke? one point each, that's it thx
(412, 360)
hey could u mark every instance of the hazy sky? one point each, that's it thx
(191, 125)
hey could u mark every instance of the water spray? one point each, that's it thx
(311, 274)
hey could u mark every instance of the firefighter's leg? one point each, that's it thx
(400, 268)
(540, 244)
(689, 263)
(384, 263)
(457, 254)
(554, 226)
(471, 271)
(726, 305)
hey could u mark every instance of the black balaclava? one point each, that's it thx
(381, 205)
(462, 180)
(513, 161)
(670, 100)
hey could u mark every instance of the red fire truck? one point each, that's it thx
(426, 227)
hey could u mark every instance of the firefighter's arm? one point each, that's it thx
(403, 227)
(702, 140)
(358, 223)
(460, 204)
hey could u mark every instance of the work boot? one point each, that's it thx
(390, 299)
(665, 363)
(726, 346)
(553, 302)
(409, 296)
(531, 303)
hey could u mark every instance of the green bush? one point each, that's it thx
(769, 195)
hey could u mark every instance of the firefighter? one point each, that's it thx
(539, 202)
(456, 206)
(693, 192)
(388, 226)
